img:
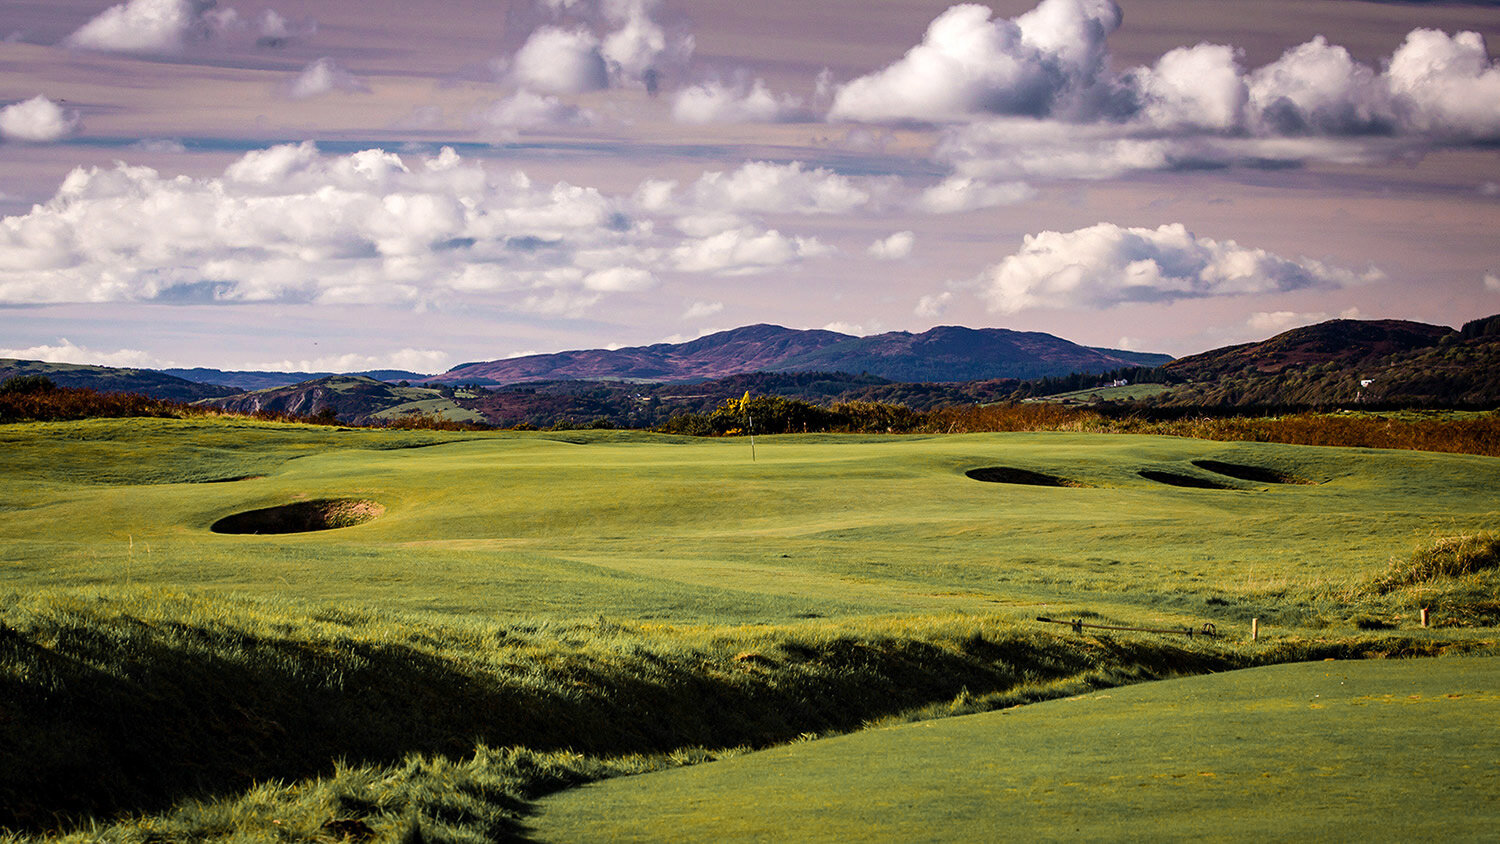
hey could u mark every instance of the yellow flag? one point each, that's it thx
(745, 401)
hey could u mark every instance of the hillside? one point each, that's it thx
(942, 354)
(262, 380)
(106, 379)
(1348, 362)
(355, 399)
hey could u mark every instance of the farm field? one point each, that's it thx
(489, 617)
(1368, 750)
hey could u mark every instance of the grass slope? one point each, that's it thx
(1321, 751)
(646, 526)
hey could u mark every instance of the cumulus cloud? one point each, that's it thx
(561, 61)
(66, 351)
(744, 251)
(618, 42)
(893, 248)
(527, 111)
(765, 187)
(1106, 265)
(38, 120)
(274, 30)
(699, 310)
(153, 26)
(933, 305)
(324, 76)
(287, 224)
(1036, 96)
(717, 102)
(1492, 281)
(960, 193)
(1048, 60)
(411, 360)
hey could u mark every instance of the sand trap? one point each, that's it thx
(1257, 474)
(1008, 475)
(1174, 479)
(301, 517)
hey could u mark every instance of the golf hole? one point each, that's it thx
(1256, 474)
(1008, 475)
(301, 517)
(1174, 479)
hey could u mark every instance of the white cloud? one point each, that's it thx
(38, 120)
(1106, 265)
(527, 111)
(1035, 97)
(764, 187)
(934, 305)
(324, 76)
(744, 251)
(411, 360)
(561, 61)
(158, 27)
(627, 46)
(717, 102)
(1047, 61)
(1275, 322)
(287, 224)
(67, 351)
(1492, 281)
(699, 310)
(851, 328)
(960, 193)
(893, 248)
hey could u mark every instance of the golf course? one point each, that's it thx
(228, 629)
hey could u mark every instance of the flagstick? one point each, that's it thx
(752, 436)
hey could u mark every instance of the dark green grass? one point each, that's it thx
(1369, 750)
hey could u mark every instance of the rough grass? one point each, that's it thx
(1447, 558)
(212, 719)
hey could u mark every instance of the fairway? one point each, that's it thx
(1346, 751)
(646, 526)
(486, 617)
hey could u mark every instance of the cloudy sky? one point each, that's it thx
(348, 184)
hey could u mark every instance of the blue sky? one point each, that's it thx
(353, 184)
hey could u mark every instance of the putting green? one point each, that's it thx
(1378, 750)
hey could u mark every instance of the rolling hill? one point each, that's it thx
(942, 354)
(107, 379)
(1345, 363)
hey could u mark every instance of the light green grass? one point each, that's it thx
(638, 525)
(1381, 750)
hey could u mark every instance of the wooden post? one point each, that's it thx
(1424, 616)
(1254, 629)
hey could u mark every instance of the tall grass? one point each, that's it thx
(215, 717)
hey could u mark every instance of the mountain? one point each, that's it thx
(1338, 342)
(954, 353)
(943, 354)
(356, 399)
(108, 379)
(259, 380)
(1347, 363)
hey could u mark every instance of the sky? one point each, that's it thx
(355, 184)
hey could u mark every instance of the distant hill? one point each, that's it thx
(260, 380)
(1348, 363)
(107, 379)
(356, 399)
(943, 354)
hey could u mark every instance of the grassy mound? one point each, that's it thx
(135, 703)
